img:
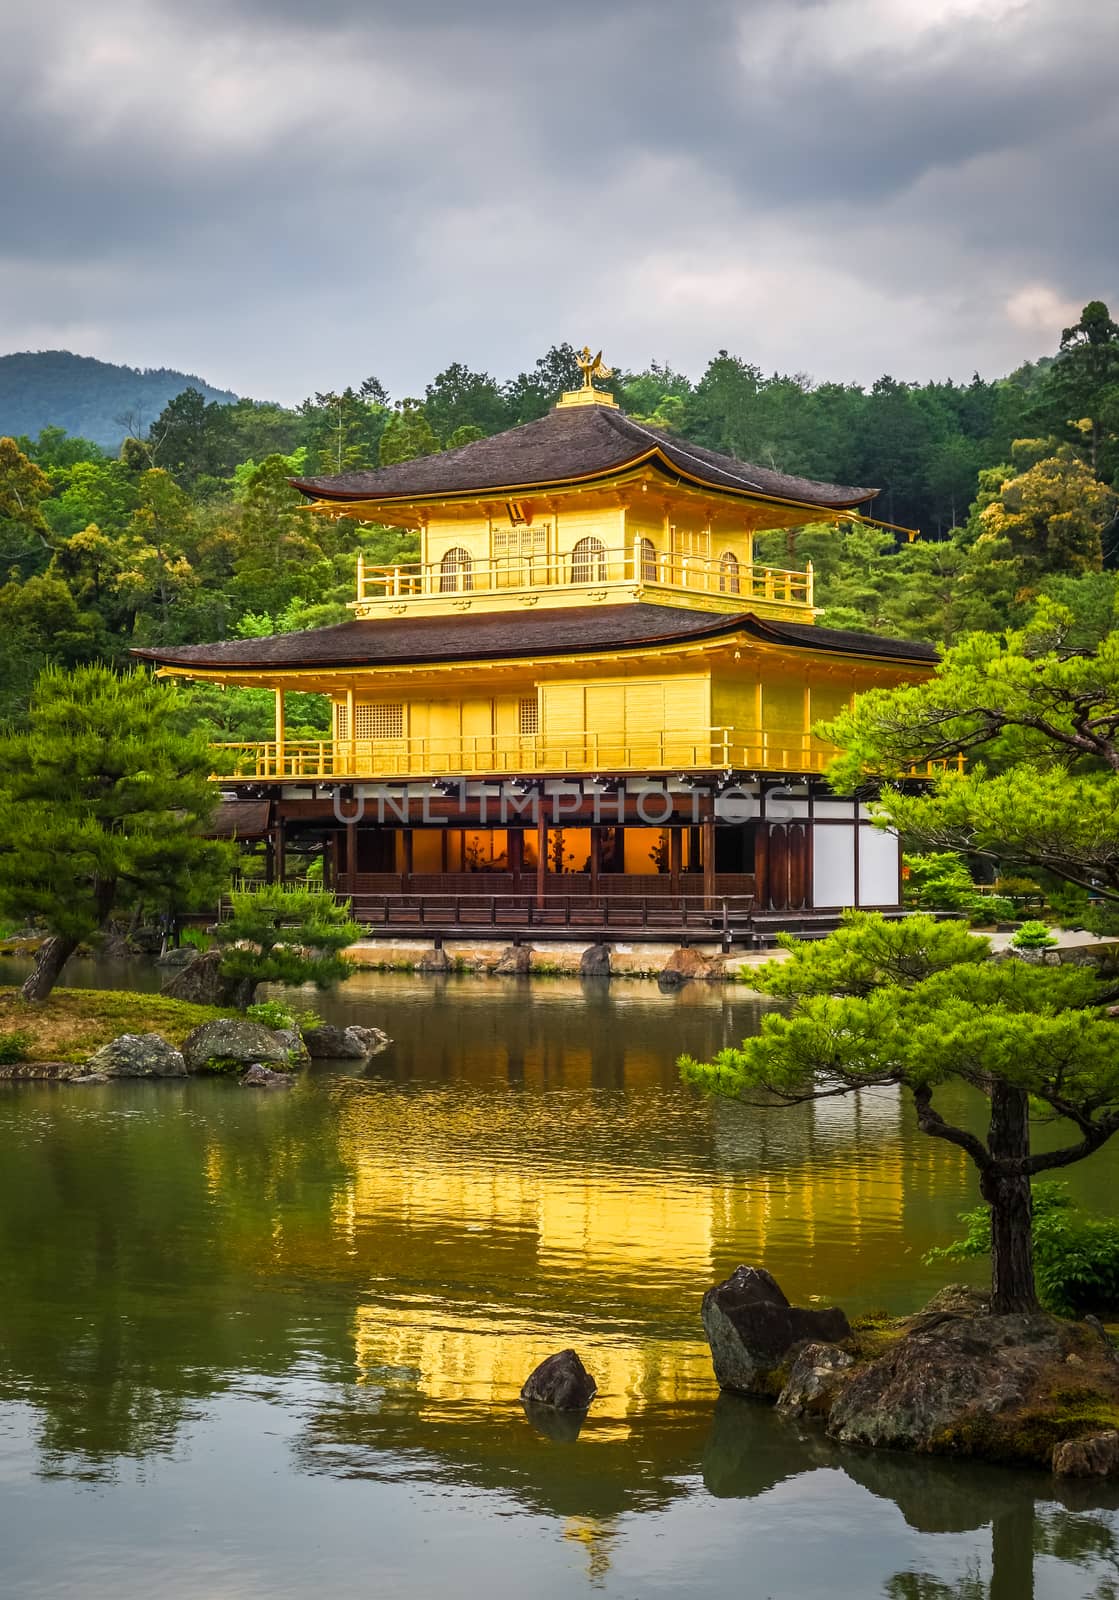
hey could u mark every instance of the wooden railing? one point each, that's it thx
(724, 915)
(636, 563)
(483, 755)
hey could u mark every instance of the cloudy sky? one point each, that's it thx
(283, 196)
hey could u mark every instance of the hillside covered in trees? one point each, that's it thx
(192, 532)
(92, 399)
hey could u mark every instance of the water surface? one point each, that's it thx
(271, 1344)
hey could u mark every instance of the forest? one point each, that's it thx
(190, 531)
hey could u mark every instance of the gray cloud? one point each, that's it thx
(285, 199)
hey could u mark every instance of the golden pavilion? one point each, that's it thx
(585, 706)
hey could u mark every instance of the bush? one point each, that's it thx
(1033, 936)
(14, 1045)
(275, 1014)
(1076, 1257)
(939, 881)
(197, 938)
(989, 908)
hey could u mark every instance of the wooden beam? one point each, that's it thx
(541, 850)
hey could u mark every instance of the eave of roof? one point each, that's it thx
(564, 449)
(510, 636)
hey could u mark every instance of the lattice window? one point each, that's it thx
(691, 541)
(729, 582)
(529, 718)
(342, 722)
(588, 562)
(379, 721)
(521, 541)
(456, 571)
(648, 561)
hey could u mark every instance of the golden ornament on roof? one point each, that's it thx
(592, 367)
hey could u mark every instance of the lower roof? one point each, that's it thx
(507, 635)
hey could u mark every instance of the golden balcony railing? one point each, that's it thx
(510, 755)
(460, 574)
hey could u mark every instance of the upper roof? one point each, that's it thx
(505, 635)
(571, 445)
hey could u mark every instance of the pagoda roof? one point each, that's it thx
(572, 445)
(508, 635)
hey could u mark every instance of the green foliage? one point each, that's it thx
(1076, 1256)
(1033, 936)
(918, 1003)
(275, 1014)
(15, 1044)
(289, 936)
(1037, 720)
(102, 803)
(939, 881)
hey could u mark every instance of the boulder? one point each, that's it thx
(595, 961)
(686, 964)
(560, 1381)
(816, 1377)
(947, 1373)
(230, 1044)
(138, 1055)
(202, 983)
(436, 960)
(1094, 1457)
(374, 1039)
(751, 1327)
(262, 1077)
(328, 1043)
(956, 1300)
(292, 1039)
(325, 1042)
(516, 962)
(46, 1071)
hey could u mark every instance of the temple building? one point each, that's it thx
(586, 705)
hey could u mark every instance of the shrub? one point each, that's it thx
(1033, 936)
(197, 938)
(275, 1014)
(1076, 1257)
(14, 1045)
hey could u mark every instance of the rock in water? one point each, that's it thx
(138, 1055)
(230, 1044)
(751, 1326)
(327, 1043)
(561, 1381)
(292, 1040)
(436, 960)
(374, 1039)
(948, 1374)
(687, 963)
(261, 1077)
(595, 961)
(818, 1373)
(1097, 1457)
(515, 962)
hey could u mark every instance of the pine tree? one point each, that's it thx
(102, 801)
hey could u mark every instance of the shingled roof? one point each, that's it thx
(569, 445)
(507, 635)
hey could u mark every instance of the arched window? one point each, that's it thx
(648, 562)
(588, 562)
(456, 571)
(728, 573)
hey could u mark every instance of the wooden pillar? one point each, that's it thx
(281, 852)
(596, 859)
(675, 859)
(761, 866)
(541, 850)
(350, 759)
(516, 854)
(708, 833)
(406, 838)
(280, 733)
(349, 860)
(270, 855)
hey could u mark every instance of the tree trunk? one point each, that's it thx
(52, 957)
(1008, 1194)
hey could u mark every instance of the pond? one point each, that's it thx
(270, 1344)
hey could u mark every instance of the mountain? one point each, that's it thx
(93, 399)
